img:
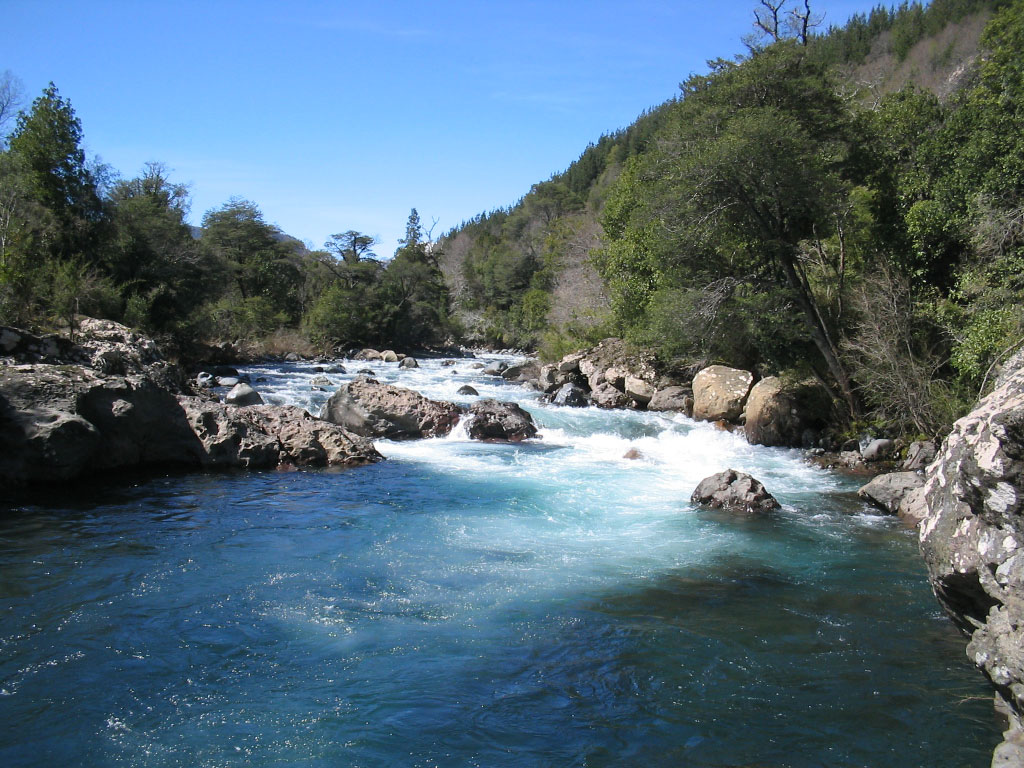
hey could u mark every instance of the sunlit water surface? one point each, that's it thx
(466, 604)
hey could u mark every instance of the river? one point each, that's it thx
(549, 603)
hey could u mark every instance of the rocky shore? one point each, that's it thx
(110, 401)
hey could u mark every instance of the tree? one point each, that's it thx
(752, 165)
(47, 140)
(351, 246)
(10, 101)
(153, 256)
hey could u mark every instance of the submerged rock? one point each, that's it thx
(466, 391)
(736, 491)
(367, 407)
(493, 420)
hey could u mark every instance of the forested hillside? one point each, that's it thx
(844, 204)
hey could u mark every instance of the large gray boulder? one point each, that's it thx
(60, 421)
(606, 395)
(268, 436)
(242, 394)
(493, 420)
(972, 538)
(672, 398)
(888, 491)
(571, 395)
(367, 407)
(720, 393)
(780, 413)
(735, 491)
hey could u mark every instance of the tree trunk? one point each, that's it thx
(819, 333)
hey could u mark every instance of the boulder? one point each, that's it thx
(781, 413)
(367, 407)
(571, 363)
(59, 422)
(320, 381)
(467, 391)
(242, 395)
(548, 379)
(570, 395)
(878, 449)
(227, 381)
(267, 436)
(409, 362)
(389, 356)
(522, 372)
(638, 390)
(494, 420)
(495, 369)
(919, 455)
(366, 355)
(972, 539)
(672, 398)
(734, 491)
(888, 490)
(607, 396)
(720, 392)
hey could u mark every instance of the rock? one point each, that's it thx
(227, 381)
(494, 420)
(522, 372)
(570, 395)
(887, 491)
(615, 377)
(366, 355)
(205, 380)
(337, 368)
(735, 491)
(633, 454)
(571, 363)
(366, 372)
(607, 396)
(779, 413)
(293, 357)
(878, 449)
(242, 395)
(59, 422)
(548, 379)
(367, 407)
(720, 392)
(638, 390)
(496, 368)
(267, 436)
(409, 362)
(972, 540)
(913, 507)
(320, 381)
(466, 391)
(919, 455)
(389, 356)
(450, 363)
(672, 398)
(474, 366)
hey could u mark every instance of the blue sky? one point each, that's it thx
(345, 115)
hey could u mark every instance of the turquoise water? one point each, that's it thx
(468, 604)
